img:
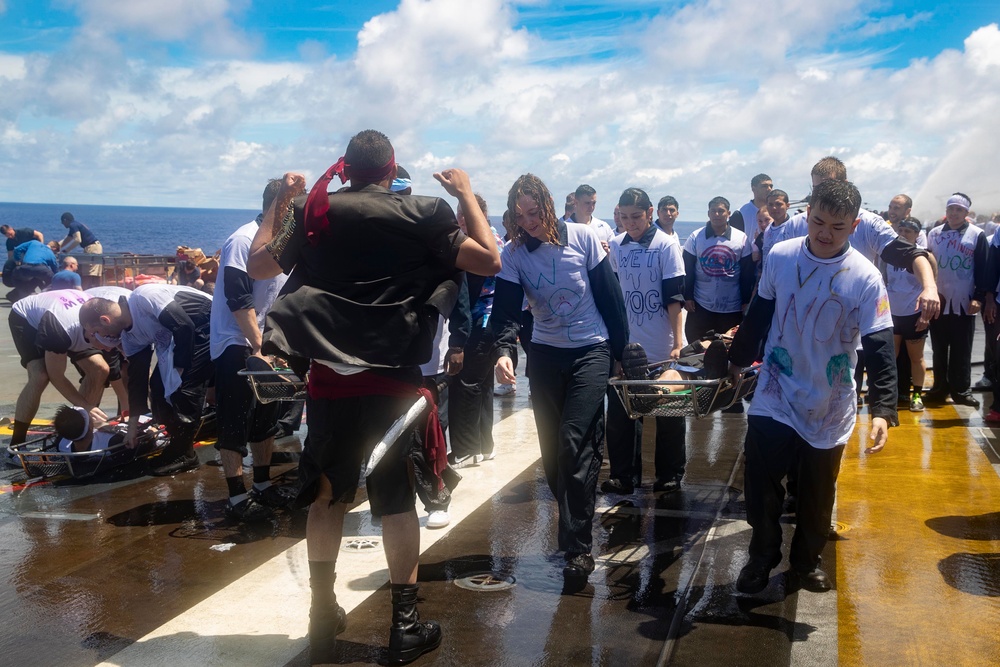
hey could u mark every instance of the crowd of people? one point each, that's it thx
(32, 265)
(818, 297)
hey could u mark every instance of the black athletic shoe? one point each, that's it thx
(620, 486)
(963, 399)
(935, 397)
(248, 511)
(667, 485)
(754, 577)
(634, 362)
(578, 566)
(274, 496)
(182, 463)
(716, 363)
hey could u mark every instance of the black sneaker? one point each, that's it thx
(667, 485)
(935, 396)
(578, 566)
(182, 463)
(620, 486)
(716, 362)
(963, 399)
(273, 496)
(248, 511)
(634, 362)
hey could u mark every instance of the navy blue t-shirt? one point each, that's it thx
(87, 237)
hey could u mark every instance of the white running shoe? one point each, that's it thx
(505, 390)
(486, 457)
(438, 519)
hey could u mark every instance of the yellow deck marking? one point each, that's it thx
(895, 605)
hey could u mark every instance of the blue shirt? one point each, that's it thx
(36, 252)
(87, 237)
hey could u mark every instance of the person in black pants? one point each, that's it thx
(579, 326)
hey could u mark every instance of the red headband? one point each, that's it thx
(318, 202)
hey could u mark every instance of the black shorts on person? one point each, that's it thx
(239, 417)
(906, 327)
(342, 434)
(24, 336)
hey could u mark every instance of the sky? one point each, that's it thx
(198, 102)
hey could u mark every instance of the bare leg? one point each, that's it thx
(262, 452)
(95, 374)
(402, 546)
(325, 525)
(915, 348)
(232, 462)
(31, 395)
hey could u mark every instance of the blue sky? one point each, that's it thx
(195, 102)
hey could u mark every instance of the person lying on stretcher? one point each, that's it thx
(79, 433)
(705, 359)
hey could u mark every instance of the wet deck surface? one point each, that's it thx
(123, 571)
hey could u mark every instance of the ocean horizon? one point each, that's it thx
(157, 230)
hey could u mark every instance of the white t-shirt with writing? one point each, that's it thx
(604, 231)
(717, 268)
(822, 309)
(555, 282)
(55, 316)
(641, 272)
(870, 237)
(954, 250)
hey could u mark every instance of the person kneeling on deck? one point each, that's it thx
(46, 332)
(175, 321)
(363, 322)
(816, 297)
(238, 310)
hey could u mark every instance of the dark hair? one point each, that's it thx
(271, 191)
(906, 199)
(401, 173)
(532, 186)
(667, 201)
(837, 198)
(962, 194)
(66, 217)
(830, 167)
(4, 228)
(91, 312)
(718, 200)
(635, 197)
(368, 149)
(758, 179)
(778, 193)
(68, 423)
(584, 190)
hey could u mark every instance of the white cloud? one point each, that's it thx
(886, 24)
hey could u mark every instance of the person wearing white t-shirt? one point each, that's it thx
(961, 251)
(778, 230)
(239, 306)
(816, 299)
(583, 214)
(651, 275)
(579, 327)
(718, 263)
(904, 288)
(745, 218)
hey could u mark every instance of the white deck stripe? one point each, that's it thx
(261, 618)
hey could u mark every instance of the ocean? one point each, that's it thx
(145, 230)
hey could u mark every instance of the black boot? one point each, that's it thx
(327, 619)
(409, 637)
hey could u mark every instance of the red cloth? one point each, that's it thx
(318, 202)
(324, 382)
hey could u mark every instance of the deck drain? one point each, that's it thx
(362, 544)
(486, 582)
(839, 528)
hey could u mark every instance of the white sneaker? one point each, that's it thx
(486, 457)
(438, 519)
(505, 390)
(464, 462)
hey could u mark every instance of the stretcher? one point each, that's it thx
(682, 398)
(270, 386)
(41, 457)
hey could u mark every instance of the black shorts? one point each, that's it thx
(342, 434)
(239, 417)
(24, 336)
(906, 327)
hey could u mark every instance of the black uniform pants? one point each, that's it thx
(951, 349)
(568, 387)
(625, 445)
(471, 406)
(771, 448)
